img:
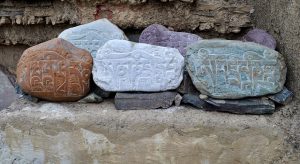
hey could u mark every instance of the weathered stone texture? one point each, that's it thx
(55, 70)
(232, 69)
(280, 19)
(261, 37)
(122, 65)
(7, 91)
(92, 36)
(222, 16)
(75, 133)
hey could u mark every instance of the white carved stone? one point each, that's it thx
(93, 35)
(122, 65)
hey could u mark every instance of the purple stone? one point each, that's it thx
(261, 37)
(161, 36)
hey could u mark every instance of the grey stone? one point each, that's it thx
(161, 36)
(187, 86)
(227, 69)
(243, 106)
(7, 91)
(261, 37)
(178, 99)
(134, 101)
(91, 98)
(283, 97)
(92, 36)
(122, 65)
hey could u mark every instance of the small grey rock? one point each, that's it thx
(178, 99)
(91, 98)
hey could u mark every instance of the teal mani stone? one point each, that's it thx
(226, 69)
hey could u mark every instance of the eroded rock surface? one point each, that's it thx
(92, 36)
(261, 37)
(122, 65)
(55, 70)
(7, 91)
(75, 133)
(227, 69)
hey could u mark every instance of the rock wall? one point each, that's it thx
(76, 133)
(280, 18)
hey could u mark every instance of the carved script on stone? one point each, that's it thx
(127, 66)
(93, 35)
(233, 71)
(55, 75)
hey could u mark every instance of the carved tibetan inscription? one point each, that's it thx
(126, 66)
(233, 69)
(55, 70)
(93, 35)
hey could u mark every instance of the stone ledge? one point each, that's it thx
(68, 132)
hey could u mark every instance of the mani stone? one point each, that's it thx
(122, 66)
(135, 101)
(283, 97)
(161, 36)
(55, 70)
(225, 69)
(261, 37)
(7, 91)
(93, 35)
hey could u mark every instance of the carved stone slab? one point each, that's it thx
(232, 69)
(122, 65)
(261, 37)
(55, 70)
(283, 97)
(93, 35)
(161, 36)
(134, 101)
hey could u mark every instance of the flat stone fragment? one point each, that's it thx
(122, 65)
(283, 97)
(55, 70)
(7, 91)
(261, 37)
(134, 101)
(92, 36)
(243, 106)
(161, 36)
(195, 101)
(227, 69)
(178, 99)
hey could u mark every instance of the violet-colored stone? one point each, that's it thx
(161, 36)
(261, 37)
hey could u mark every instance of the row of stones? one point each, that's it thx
(60, 69)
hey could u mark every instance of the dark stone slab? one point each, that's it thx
(261, 37)
(283, 97)
(244, 106)
(187, 86)
(7, 91)
(134, 101)
(161, 36)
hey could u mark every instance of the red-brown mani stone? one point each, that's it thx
(55, 70)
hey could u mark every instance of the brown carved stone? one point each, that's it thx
(55, 70)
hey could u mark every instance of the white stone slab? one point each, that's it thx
(127, 66)
(93, 35)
